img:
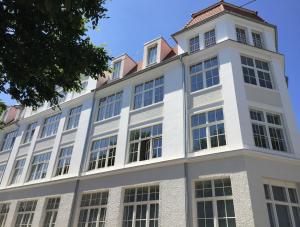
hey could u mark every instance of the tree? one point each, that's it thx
(44, 45)
(2, 109)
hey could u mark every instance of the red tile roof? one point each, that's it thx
(221, 7)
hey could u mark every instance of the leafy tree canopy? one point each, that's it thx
(44, 45)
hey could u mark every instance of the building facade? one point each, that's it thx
(200, 134)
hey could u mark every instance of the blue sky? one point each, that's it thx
(134, 22)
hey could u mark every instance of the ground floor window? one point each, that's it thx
(51, 212)
(282, 204)
(25, 213)
(93, 209)
(141, 207)
(4, 208)
(214, 203)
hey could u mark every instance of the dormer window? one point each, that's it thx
(241, 35)
(116, 70)
(152, 55)
(210, 38)
(194, 44)
(257, 40)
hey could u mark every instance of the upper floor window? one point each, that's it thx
(141, 206)
(64, 160)
(4, 209)
(256, 71)
(25, 213)
(282, 204)
(194, 44)
(51, 212)
(152, 55)
(29, 132)
(145, 143)
(208, 130)
(268, 130)
(116, 70)
(214, 203)
(241, 35)
(17, 172)
(110, 106)
(204, 74)
(74, 116)
(148, 93)
(257, 40)
(50, 126)
(9, 140)
(103, 153)
(2, 170)
(210, 38)
(92, 210)
(39, 166)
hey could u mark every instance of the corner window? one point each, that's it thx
(256, 72)
(257, 40)
(268, 130)
(64, 160)
(39, 166)
(74, 116)
(208, 130)
(116, 70)
(110, 106)
(9, 140)
(204, 74)
(50, 126)
(152, 55)
(210, 38)
(29, 132)
(18, 170)
(148, 93)
(194, 44)
(145, 143)
(241, 35)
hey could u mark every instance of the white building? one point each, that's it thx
(201, 134)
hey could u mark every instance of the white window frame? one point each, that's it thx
(2, 170)
(151, 61)
(288, 203)
(211, 39)
(267, 127)
(256, 42)
(73, 118)
(213, 199)
(18, 170)
(4, 209)
(50, 128)
(25, 213)
(9, 140)
(136, 203)
(65, 160)
(28, 134)
(239, 38)
(52, 207)
(44, 168)
(117, 70)
(90, 207)
(194, 47)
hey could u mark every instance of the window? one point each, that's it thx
(4, 209)
(208, 130)
(25, 213)
(152, 53)
(141, 207)
(29, 132)
(256, 71)
(282, 205)
(148, 93)
(74, 116)
(116, 70)
(194, 44)
(64, 159)
(268, 130)
(2, 170)
(214, 203)
(110, 106)
(39, 166)
(9, 140)
(18, 171)
(210, 38)
(51, 212)
(241, 35)
(50, 126)
(93, 209)
(145, 143)
(204, 74)
(103, 153)
(257, 40)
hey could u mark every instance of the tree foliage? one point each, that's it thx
(44, 45)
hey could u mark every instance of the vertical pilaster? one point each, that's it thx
(114, 207)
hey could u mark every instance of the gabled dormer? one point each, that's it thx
(121, 66)
(155, 51)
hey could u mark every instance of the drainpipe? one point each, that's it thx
(185, 122)
(73, 207)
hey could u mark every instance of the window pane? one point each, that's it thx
(283, 215)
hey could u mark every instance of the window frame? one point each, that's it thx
(257, 43)
(8, 146)
(15, 179)
(192, 48)
(23, 213)
(53, 126)
(28, 134)
(4, 210)
(66, 159)
(149, 57)
(3, 166)
(44, 169)
(239, 38)
(211, 39)
(115, 76)
(53, 211)
(73, 118)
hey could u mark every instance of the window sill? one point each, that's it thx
(145, 162)
(67, 131)
(107, 120)
(206, 90)
(262, 88)
(144, 108)
(45, 138)
(25, 144)
(275, 152)
(5, 151)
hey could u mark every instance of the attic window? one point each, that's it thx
(116, 70)
(194, 44)
(152, 55)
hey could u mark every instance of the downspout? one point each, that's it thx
(73, 206)
(185, 121)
